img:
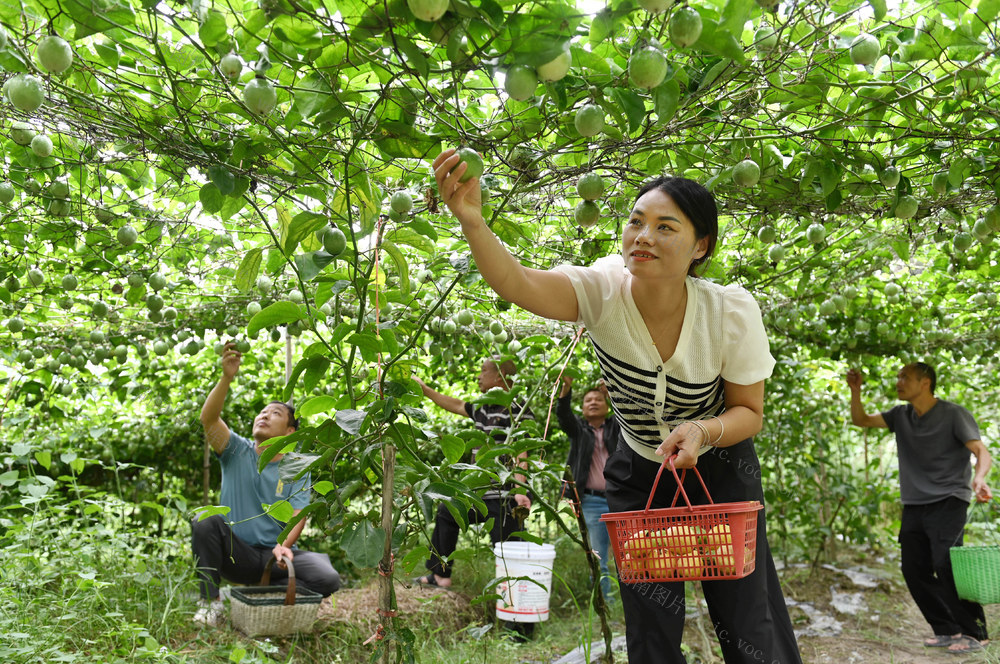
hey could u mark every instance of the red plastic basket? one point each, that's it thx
(693, 543)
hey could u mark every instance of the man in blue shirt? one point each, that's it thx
(238, 546)
(934, 442)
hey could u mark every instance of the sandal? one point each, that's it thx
(940, 641)
(964, 644)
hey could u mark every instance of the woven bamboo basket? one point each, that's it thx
(267, 610)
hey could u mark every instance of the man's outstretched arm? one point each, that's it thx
(216, 431)
(858, 415)
(451, 404)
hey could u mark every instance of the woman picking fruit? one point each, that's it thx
(684, 361)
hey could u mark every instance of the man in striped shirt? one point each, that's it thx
(495, 421)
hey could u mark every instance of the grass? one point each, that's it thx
(82, 581)
(87, 578)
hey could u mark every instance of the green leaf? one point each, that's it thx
(956, 172)
(402, 267)
(213, 28)
(389, 341)
(902, 249)
(8, 478)
(399, 139)
(351, 420)
(735, 15)
(44, 459)
(829, 176)
(986, 13)
(323, 487)
(299, 32)
(632, 104)
(422, 227)
(108, 53)
(202, 513)
(415, 238)
(453, 448)
(295, 519)
(281, 510)
(317, 405)
(311, 264)
(314, 373)
(211, 198)
(365, 340)
(312, 95)
(721, 41)
(300, 227)
(341, 332)
(93, 16)
(666, 97)
(275, 446)
(306, 364)
(414, 559)
(279, 313)
(833, 200)
(879, 8)
(412, 55)
(363, 544)
(246, 273)
(602, 26)
(222, 178)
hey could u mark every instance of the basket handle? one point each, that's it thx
(972, 508)
(680, 483)
(265, 578)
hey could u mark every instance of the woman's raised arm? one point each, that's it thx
(543, 292)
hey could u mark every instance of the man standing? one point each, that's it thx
(494, 420)
(592, 438)
(934, 439)
(239, 546)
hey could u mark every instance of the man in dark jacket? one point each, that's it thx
(593, 438)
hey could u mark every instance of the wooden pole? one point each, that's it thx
(386, 599)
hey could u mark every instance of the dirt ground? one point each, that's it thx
(887, 626)
(852, 614)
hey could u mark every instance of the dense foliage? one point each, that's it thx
(176, 175)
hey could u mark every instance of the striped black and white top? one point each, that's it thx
(494, 420)
(722, 338)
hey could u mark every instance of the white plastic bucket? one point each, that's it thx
(522, 600)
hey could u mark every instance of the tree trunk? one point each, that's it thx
(600, 606)
(386, 595)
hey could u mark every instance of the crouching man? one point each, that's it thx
(238, 546)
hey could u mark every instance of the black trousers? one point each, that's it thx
(749, 615)
(926, 534)
(218, 554)
(444, 539)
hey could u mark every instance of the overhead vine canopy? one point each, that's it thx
(177, 174)
(230, 136)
